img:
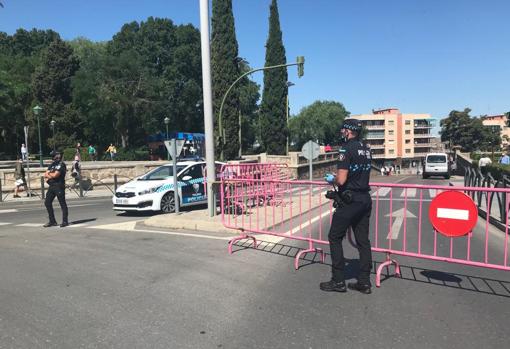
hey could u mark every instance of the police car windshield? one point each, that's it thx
(160, 173)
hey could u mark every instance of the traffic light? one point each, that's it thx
(301, 66)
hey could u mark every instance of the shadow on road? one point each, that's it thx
(465, 282)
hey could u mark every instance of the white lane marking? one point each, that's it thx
(4, 223)
(9, 210)
(397, 223)
(452, 213)
(382, 192)
(77, 225)
(411, 192)
(432, 193)
(33, 225)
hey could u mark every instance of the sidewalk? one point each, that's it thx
(196, 219)
(70, 194)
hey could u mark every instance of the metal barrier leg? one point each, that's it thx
(388, 262)
(115, 183)
(303, 252)
(1, 192)
(242, 237)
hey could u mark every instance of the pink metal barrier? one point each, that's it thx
(399, 223)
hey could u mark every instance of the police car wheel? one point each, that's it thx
(168, 203)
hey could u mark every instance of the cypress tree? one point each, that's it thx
(225, 70)
(273, 113)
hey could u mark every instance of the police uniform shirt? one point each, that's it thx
(59, 166)
(354, 156)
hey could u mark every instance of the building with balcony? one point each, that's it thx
(498, 123)
(398, 138)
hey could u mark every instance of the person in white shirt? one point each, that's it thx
(483, 162)
(23, 152)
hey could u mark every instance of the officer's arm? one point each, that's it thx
(53, 175)
(344, 161)
(341, 177)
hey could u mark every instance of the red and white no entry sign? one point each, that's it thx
(453, 213)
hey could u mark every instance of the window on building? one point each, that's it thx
(408, 122)
(390, 132)
(390, 122)
(391, 141)
(408, 141)
(408, 132)
(391, 151)
(408, 151)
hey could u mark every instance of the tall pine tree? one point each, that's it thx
(225, 70)
(273, 113)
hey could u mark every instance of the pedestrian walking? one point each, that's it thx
(19, 178)
(76, 171)
(354, 207)
(112, 150)
(55, 177)
(78, 151)
(483, 163)
(24, 154)
(92, 153)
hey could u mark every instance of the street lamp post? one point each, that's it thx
(289, 84)
(167, 121)
(37, 109)
(299, 63)
(52, 124)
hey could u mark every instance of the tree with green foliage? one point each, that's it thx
(248, 97)
(459, 128)
(319, 121)
(51, 84)
(272, 109)
(224, 71)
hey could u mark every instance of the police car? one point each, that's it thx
(154, 191)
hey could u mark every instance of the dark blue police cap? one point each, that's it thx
(352, 124)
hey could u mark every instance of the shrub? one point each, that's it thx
(132, 154)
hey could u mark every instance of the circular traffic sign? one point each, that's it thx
(453, 213)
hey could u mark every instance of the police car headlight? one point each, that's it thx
(149, 191)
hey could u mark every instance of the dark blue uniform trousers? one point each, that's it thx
(57, 190)
(357, 216)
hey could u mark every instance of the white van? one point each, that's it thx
(436, 164)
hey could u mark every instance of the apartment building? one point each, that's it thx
(398, 138)
(498, 123)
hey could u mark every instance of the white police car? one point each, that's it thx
(154, 191)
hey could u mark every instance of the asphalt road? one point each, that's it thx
(106, 283)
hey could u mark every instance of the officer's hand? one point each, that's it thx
(330, 178)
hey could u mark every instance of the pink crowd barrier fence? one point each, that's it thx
(399, 224)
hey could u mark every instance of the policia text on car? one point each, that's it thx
(353, 208)
(55, 176)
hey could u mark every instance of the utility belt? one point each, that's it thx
(345, 197)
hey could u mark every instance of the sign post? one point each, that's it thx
(25, 128)
(311, 151)
(174, 147)
(453, 213)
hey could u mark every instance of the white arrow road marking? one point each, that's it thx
(411, 192)
(382, 192)
(432, 193)
(397, 223)
(452, 213)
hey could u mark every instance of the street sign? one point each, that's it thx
(179, 144)
(453, 213)
(311, 150)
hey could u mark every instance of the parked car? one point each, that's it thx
(436, 164)
(154, 191)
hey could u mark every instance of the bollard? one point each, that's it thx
(1, 193)
(42, 188)
(81, 187)
(115, 183)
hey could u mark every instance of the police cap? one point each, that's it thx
(352, 124)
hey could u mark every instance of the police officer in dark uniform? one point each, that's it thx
(353, 210)
(55, 176)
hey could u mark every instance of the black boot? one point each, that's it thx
(333, 286)
(64, 224)
(356, 286)
(50, 224)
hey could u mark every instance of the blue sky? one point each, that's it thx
(420, 56)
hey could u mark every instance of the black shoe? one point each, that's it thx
(333, 286)
(356, 286)
(16, 196)
(50, 224)
(64, 224)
